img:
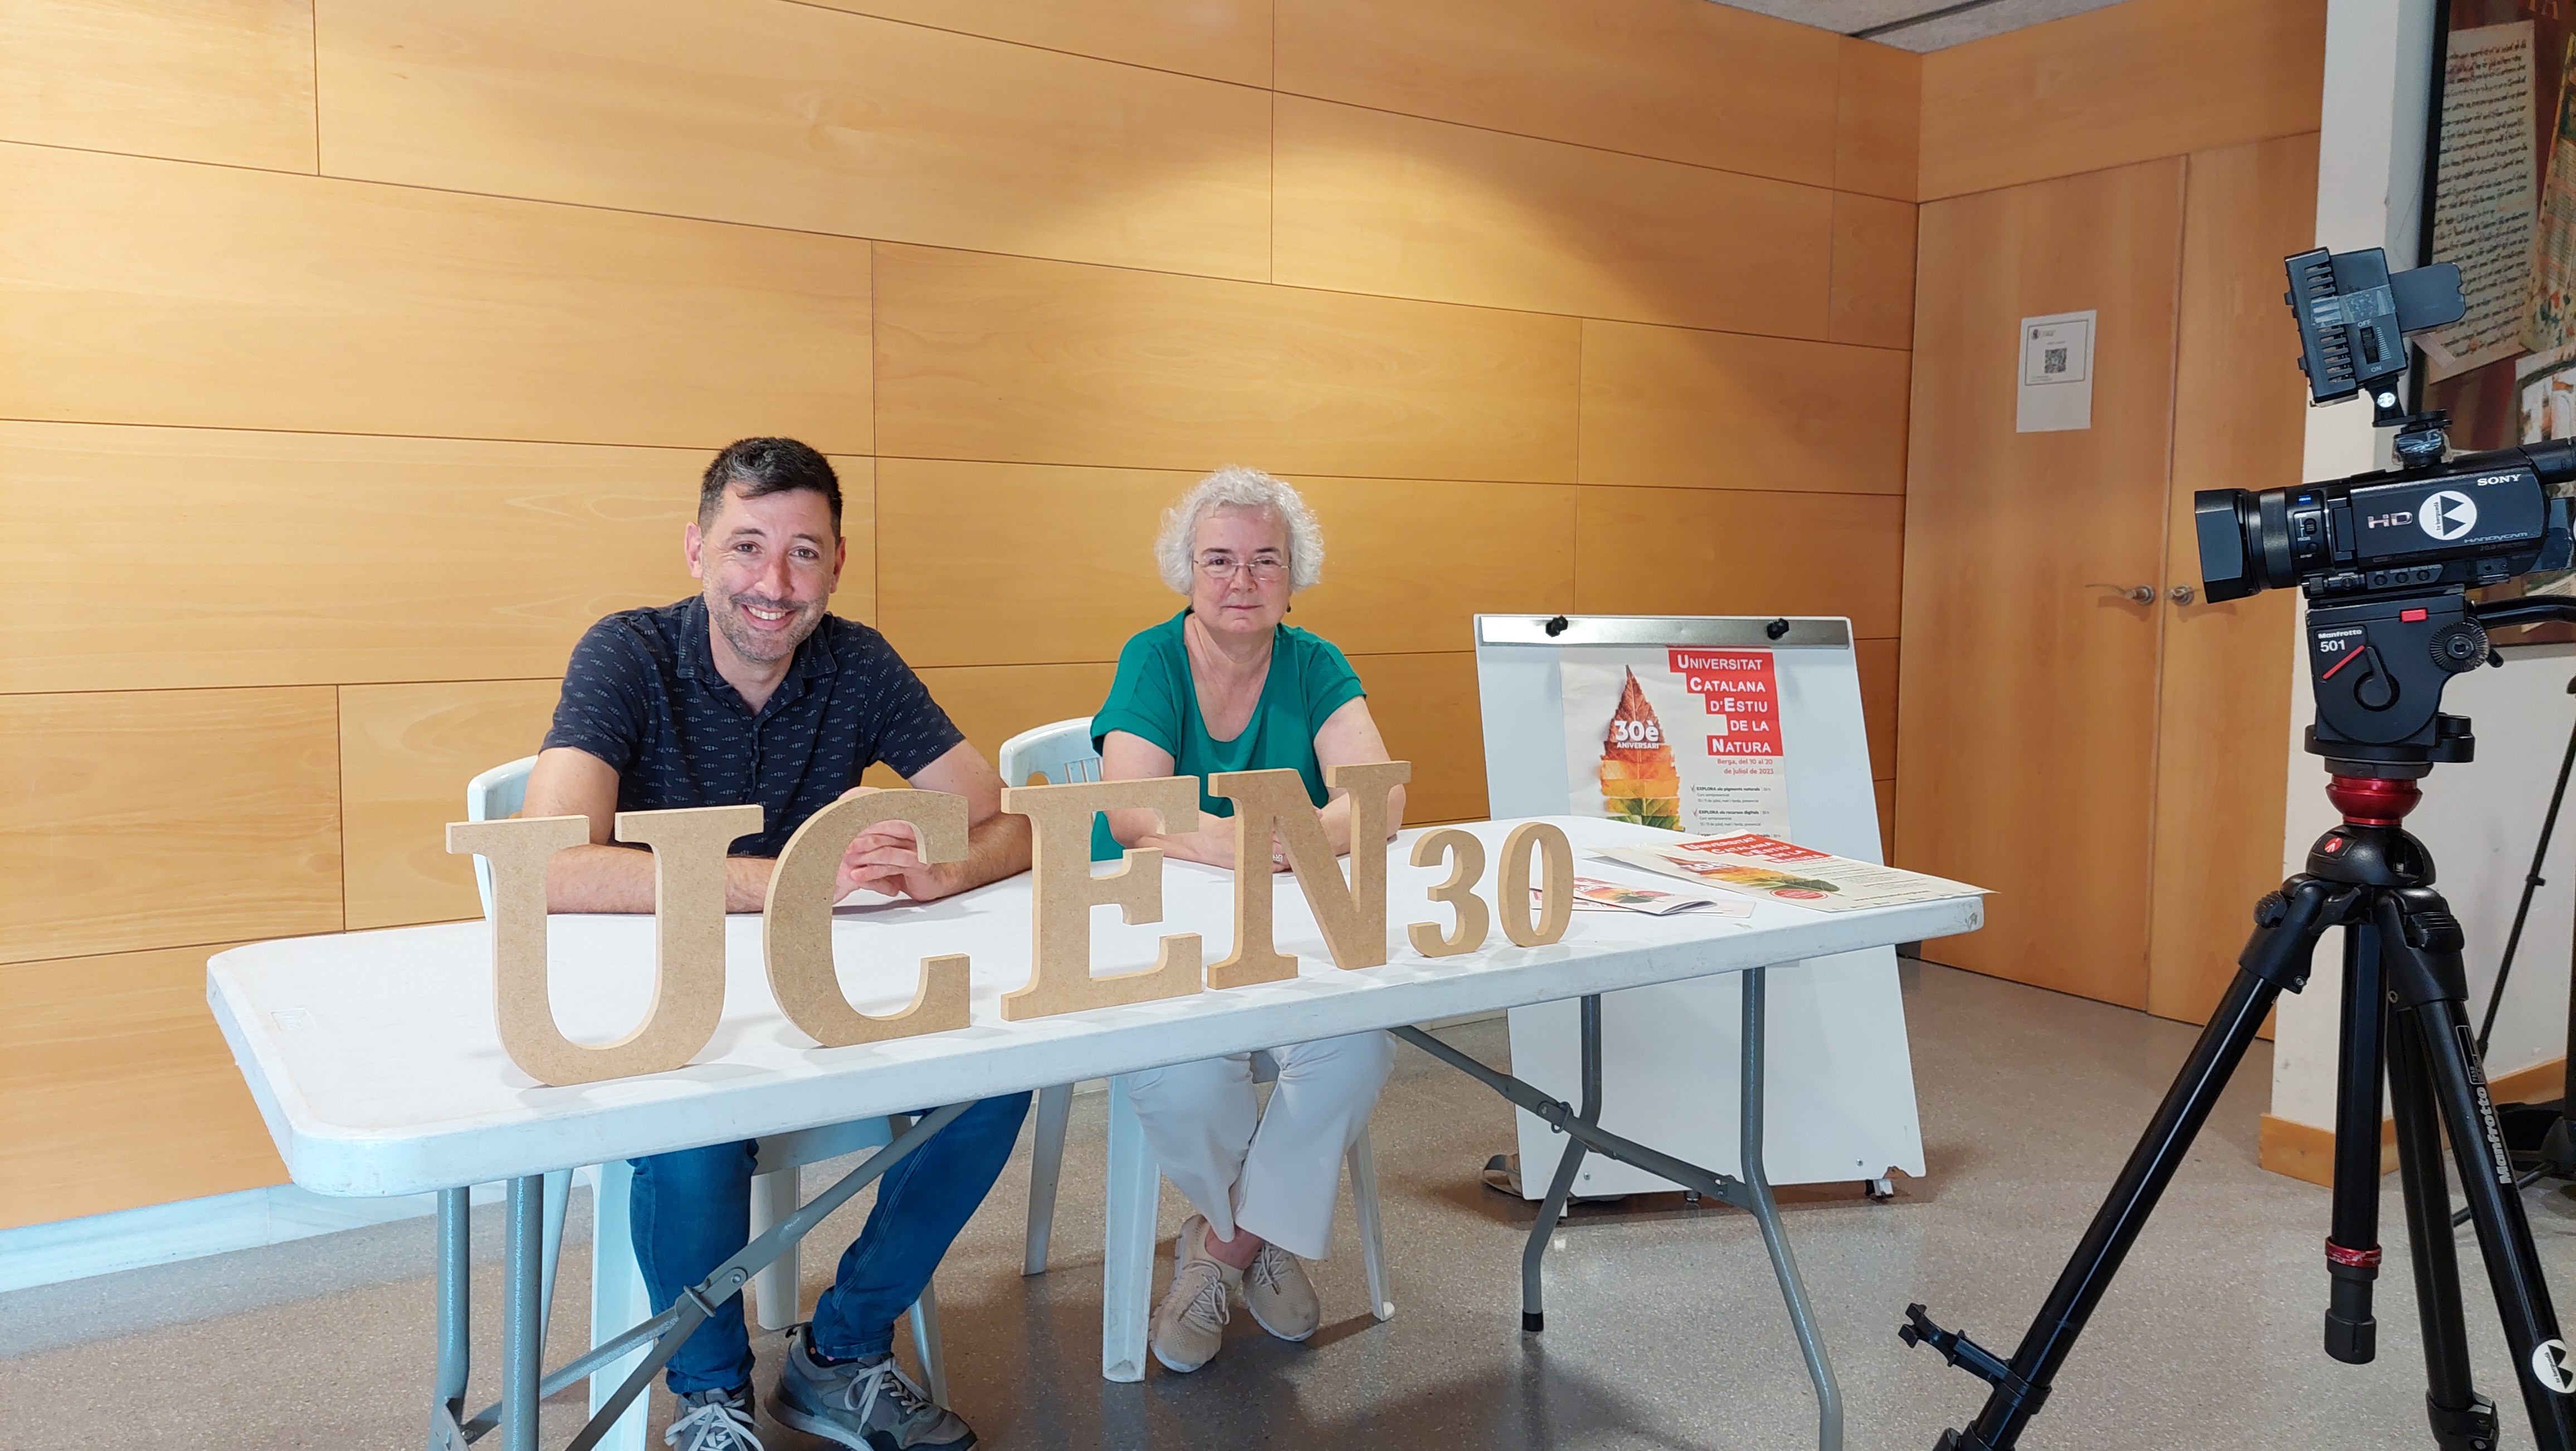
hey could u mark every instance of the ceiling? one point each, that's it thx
(1919, 24)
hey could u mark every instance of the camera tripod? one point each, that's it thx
(2404, 1010)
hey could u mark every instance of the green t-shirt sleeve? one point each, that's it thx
(1330, 682)
(1142, 699)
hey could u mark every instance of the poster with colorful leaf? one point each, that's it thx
(1682, 739)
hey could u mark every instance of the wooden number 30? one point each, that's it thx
(1466, 856)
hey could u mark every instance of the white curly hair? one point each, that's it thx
(1234, 487)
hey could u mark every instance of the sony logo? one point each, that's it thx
(2389, 521)
(2497, 479)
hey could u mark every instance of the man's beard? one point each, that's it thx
(760, 647)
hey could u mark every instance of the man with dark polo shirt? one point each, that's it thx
(750, 692)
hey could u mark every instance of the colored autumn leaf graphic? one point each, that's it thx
(1639, 781)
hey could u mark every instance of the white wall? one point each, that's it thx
(2480, 820)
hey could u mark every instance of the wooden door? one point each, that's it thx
(2223, 712)
(2027, 698)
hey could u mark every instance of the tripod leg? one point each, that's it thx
(2017, 1397)
(2352, 1246)
(2287, 925)
(2462, 1419)
(2423, 949)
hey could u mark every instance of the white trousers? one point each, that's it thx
(1277, 1171)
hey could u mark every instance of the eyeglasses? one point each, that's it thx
(1266, 567)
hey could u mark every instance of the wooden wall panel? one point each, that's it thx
(1886, 817)
(1877, 662)
(856, 595)
(1626, 75)
(136, 291)
(1225, 40)
(797, 116)
(1070, 574)
(1402, 207)
(406, 752)
(1729, 552)
(1873, 292)
(1408, 565)
(1066, 561)
(2120, 84)
(1426, 708)
(2224, 705)
(227, 81)
(1676, 408)
(1878, 120)
(290, 559)
(1000, 358)
(120, 1090)
(155, 818)
(992, 703)
(2026, 731)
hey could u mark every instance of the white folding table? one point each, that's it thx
(375, 1061)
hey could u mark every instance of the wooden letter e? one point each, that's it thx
(1065, 891)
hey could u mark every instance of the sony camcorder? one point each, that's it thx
(2385, 558)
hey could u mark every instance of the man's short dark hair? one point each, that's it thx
(767, 466)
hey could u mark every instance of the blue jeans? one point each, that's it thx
(691, 1211)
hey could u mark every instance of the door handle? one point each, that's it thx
(2143, 594)
(2182, 594)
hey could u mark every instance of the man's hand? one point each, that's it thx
(886, 859)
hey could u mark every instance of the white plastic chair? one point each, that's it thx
(1063, 753)
(618, 1299)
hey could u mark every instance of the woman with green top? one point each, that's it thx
(1225, 686)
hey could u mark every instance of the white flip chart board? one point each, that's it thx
(1840, 1092)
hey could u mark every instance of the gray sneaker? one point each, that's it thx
(714, 1421)
(870, 1404)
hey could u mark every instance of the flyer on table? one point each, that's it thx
(1592, 894)
(1688, 743)
(1762, 866)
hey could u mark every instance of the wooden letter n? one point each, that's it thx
(1352, 914)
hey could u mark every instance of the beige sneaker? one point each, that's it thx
(1280, 1296)
(1189, 1326)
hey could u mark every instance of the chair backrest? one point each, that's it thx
(495, 794)
(1060, 752)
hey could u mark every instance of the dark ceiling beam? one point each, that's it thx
(1943, 12)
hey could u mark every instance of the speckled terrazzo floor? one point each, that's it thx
(1665, 1330)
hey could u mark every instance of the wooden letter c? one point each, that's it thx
(796, 921)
